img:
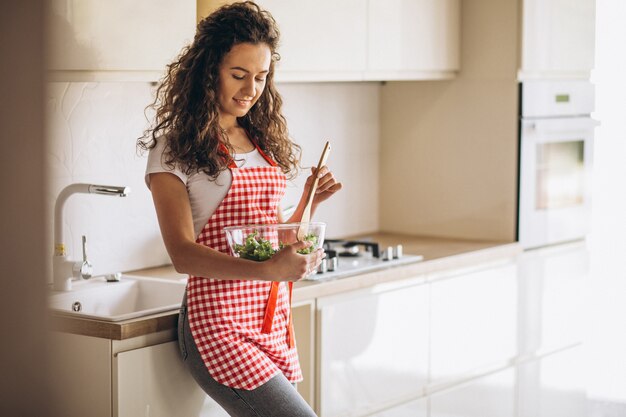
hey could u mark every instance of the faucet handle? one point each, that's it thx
(83, 269)
(85, 249)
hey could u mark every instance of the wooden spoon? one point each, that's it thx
(306, 214)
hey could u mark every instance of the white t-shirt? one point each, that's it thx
(204, 195)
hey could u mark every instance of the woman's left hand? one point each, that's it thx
(326, 186)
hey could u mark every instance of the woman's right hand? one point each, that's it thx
(289, 265)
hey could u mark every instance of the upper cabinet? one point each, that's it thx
(116, 40)
(557, 39)
(365, 40)
(321, 40)
(416, 39)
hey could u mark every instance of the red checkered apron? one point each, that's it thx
(243, 327)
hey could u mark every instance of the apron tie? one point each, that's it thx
(268, 318)
(290, 334)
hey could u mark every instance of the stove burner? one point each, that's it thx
(350, 257)
(351, 248)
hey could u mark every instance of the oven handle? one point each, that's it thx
(563, 125)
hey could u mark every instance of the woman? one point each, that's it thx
(219, 156)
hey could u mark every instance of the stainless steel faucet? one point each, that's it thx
(63, 269)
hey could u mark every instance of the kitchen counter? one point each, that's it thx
(439, 255)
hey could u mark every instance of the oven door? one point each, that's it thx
(556, 157)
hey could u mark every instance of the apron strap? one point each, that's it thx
(231, 162)
(267, 158)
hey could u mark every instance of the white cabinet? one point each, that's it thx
(116, 40)
(81, 366)
(357, 40)
(112, 378)
(416, 39)
(373, 349)
(304, 327)
(153, 381)
(552, 311)
(553, 386)
(473, 322)
(490, 396)
(324, 40)
(557, 39)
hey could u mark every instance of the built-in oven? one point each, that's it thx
(555, 161)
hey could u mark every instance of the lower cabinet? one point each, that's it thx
(489, 341)
(93, 380)
(304, 327)
(372, 349)
(473, 322)
(551, 297)
(145, 376)
(81, 367)
(553, 386)
(489, 396)
(153, 381)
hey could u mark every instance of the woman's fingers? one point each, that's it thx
(323, 172)
(316, 259)
(330, 186)
(292, 266)
(313, 260)
(301, 245)
(326, 180)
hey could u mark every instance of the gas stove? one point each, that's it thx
(352, 257)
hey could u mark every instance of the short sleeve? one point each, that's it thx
(156, 163)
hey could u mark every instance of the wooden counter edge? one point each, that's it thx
(114, 330)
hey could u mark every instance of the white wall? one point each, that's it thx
(346, 114)
(92, 131)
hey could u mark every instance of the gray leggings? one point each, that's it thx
(276, 398)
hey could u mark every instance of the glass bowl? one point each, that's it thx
(259, 242)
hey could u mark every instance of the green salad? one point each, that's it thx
(258, 249)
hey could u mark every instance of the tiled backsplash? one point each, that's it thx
(92, 131)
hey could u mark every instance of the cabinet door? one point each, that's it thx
(304, 327)
(81, 366)
(553, 386)
(413, 39)
(558, 38)
(489, 396)
(373, 349)
(473, 322)
(153, 381)
(551, 284)
(116, 39)
(320, 39)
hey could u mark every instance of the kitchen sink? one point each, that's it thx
(131, 297)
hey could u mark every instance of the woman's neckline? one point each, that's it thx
(246, 153)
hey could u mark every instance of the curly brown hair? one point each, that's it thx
(186, 101)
